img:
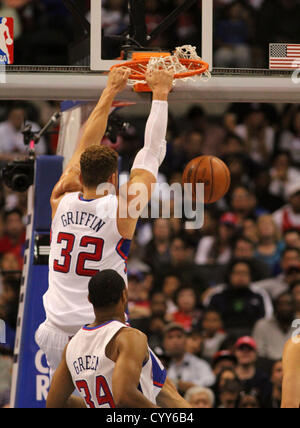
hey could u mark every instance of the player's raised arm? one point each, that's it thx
(291, 375)
(169, 397)
(147, 162)
(132, 348)
(93, 133)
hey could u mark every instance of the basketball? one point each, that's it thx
(212, 172)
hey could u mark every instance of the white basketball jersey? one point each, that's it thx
(92, 371)
(84, 241)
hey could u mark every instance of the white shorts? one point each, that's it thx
(52, 342)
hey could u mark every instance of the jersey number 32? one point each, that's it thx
(86, 242)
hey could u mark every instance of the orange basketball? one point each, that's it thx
(210, 171)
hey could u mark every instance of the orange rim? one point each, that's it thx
(195, 67)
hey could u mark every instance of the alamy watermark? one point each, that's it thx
(2, 332)
(166, 201)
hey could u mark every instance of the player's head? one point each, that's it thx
(107, 291)
(99, 165)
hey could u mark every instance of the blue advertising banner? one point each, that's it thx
(30, 372)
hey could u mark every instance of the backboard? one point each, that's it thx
(103, 34)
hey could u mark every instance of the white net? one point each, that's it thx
(172, 63)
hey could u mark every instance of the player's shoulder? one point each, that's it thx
(132, 335)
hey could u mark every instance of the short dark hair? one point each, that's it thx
(294, 284)
(11, 212)
(106, 288)
(292, 230)
(244, 239)
(12, 282)
(98, 164)
(289, 249)
(233, 263)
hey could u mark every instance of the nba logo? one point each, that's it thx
(6, 40)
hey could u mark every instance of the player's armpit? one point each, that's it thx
(61, 387)
(169, 397)
(134, 196)
(291, 375)
(132, 349)
(68, 183)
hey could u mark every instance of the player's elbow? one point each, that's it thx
(123, 397)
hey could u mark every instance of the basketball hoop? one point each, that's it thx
(185, 63)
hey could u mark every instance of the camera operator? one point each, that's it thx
(11, 137)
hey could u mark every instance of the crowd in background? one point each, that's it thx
(217, 304)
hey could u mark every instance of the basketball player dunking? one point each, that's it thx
(111, 364)
(90, 232)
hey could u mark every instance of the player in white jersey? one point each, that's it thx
(109, 363)
(92, 231)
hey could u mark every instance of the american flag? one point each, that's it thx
(284, 56)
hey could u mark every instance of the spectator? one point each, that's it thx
(9, 302)
(200, 398)
(290, 266)
(242, 204)
(283, 174)
(232, 35)
(154, 323)
(272, 400)
(135, 262)
(138, 297)
(270, 245)
(295, 290)
(288, 217)
(248, 400)
(222, 361)
(266, 201)
(249, 229)
(9, 265)
(185, 370)
(290, 139)
(14, 235)
(292, 238)
(272, 334)
(213, 333)
(188, 314)
(225, 375)
(244, 249)
(11, 137)
(218, 249)
(171, 284)
(194, 343)
(239, 304)
(157, 251)
(229, 394)
(257, 134)
(249, 375)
